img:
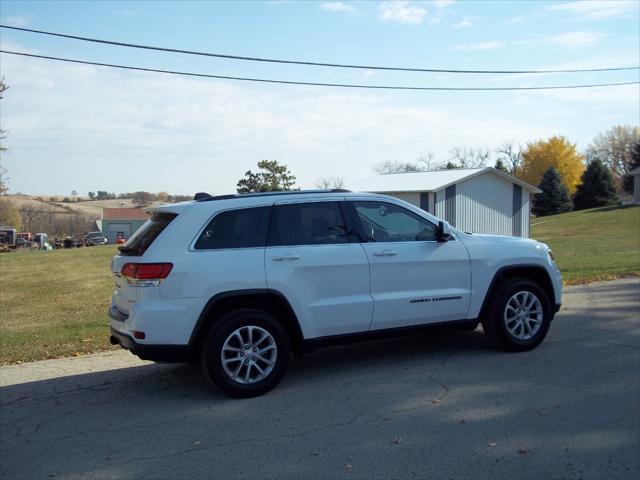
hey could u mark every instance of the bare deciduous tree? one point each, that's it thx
(470, 157)
(50, 220)
(511, 156)
(614, 148)
(391, 166)
(4, 179)
(427, 160)
(327, 183)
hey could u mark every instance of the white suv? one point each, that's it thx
(239, 282)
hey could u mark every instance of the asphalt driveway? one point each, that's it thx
(442, 405)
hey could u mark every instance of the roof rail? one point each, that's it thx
(205, 197)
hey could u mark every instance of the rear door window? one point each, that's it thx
(242, 228)
(308, 224)
(146, 234)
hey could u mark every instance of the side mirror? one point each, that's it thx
(443, 233)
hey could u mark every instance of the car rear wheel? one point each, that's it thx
(519, 315)
(246, 354)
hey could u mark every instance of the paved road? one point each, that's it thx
(443, 405)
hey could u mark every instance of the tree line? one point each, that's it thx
(140, 198)
(568, 179)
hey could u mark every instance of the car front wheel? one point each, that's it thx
(519, 315)
(246, 354)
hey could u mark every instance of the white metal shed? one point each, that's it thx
(480, 200)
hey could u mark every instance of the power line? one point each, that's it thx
(314, 64)
(313, 84)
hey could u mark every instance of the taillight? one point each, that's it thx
(145, 274)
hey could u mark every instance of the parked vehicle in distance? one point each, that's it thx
(120, 240)
(71, 242)
(239, 282)
(95, 238)
(23, 244)
(42, 240)
(8, 237)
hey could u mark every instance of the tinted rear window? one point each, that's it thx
(315, 223)
(242, 228)
(146, 234)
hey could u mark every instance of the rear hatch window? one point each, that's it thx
(146, 234)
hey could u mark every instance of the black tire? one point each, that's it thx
(211, 356)
(495, 325)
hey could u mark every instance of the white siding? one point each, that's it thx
(526, 214)
(439, 204)
(411, 197)
(484, 204)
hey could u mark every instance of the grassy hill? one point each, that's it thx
(596, 244)
(92, 208)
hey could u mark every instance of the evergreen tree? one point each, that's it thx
(597, 189)
(272, 177)
(502, 167)
(554, 197)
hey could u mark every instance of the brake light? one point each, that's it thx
(145, 274)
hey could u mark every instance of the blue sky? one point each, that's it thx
(84, 128)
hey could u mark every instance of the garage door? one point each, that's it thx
(114, 228)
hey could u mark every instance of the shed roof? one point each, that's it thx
(635, 171)
(124, 214)
(431, 181)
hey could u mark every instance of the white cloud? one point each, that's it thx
(478, 47)
(338, 7)
(618, 97)
(466, 22)
(19, 20)
(596, 9)
(185, 135)
(514, 20)
(401, 11)
(143, 131)
(442, 3)
(574, 39)
(567, 39)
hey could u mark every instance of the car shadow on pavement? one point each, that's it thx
(138, 381)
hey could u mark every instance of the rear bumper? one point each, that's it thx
(156, 353)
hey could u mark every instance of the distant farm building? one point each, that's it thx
(121, 220)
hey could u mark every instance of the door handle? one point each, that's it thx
(385, 253)
(282, 258)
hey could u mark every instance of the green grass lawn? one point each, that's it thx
(54, 303)
(597, 244)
